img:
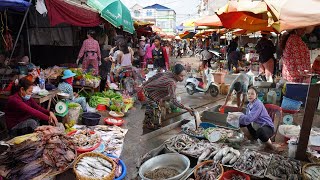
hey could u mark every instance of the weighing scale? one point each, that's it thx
(287, 119)
(61, 108)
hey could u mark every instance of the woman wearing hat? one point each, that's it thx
(66, 87)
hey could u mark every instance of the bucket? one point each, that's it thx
(290, 104)
(228, 175)
(91, 119)
(292, 149)
(219, 77)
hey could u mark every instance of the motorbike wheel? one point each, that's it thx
(214, 91)
(189, 91)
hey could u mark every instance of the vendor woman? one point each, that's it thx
(22, 112)
(257, 120)
(33, 73)
(66, 87)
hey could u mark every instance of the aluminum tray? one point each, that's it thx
(254, 175)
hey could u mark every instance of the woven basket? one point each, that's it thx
(305, 167)
(91, 154)
(204, 163)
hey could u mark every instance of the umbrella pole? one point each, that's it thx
(17, 38)
(28, 40)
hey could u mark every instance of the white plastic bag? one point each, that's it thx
(233, 119)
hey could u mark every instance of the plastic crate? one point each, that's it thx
(297, 91)
(290, 104)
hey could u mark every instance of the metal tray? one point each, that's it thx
(254, 175)
(270, 176)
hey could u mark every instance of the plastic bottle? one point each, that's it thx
(42, 80)
(272, 97)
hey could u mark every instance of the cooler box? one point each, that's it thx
(297, 91)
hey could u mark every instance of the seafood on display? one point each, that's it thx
(224, 133)
(180, 142)
(85, 139)
(253, 163)
(201, 150)
(227, 155)
(209, 171)
(95, 167)
(283, 168)
(29, 159)
(161, 173)
(194, 132)
(312, 172)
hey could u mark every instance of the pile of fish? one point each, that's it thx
(199, 148)
(180, 142)
(94, 167)
(235, 177)
(312, 172)
(85, 139)
(224, 133)
(283, 168)
(227, 155)
(209, 171)
(253, 163)
(53, 152)
(194, 132)
(161, 173)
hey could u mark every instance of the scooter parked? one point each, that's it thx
(194, 84)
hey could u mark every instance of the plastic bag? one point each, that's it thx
(233, 119)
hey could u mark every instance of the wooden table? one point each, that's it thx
(39, 99)
(86, 89)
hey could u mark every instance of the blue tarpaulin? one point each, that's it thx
(16, 5)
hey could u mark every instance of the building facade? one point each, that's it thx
(161, 16)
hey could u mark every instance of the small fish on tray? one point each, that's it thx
(312, 172)
(283, 168)
(209, 170)
(199, 133)
(253, 163)
(94, 167)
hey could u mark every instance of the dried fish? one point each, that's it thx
(281, 167)
(85, 138)
(180, 143)
(194, 132)
(235, 177)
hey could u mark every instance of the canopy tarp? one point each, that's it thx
(187, 35)
(115, 12)
(212, 20)
(60, 11)
(139, 24)
(16, 5)
(289, 14)
(245, 14)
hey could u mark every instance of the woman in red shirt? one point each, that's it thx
(22, 112)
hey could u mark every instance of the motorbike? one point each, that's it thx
(194, 85)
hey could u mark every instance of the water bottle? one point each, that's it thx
(42, 80)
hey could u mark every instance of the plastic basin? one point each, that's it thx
(91, 119)
(123, 166)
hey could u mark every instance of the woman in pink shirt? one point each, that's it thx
(148, 56)
(22, 112)
(90, 51)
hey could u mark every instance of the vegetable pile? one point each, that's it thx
(114, 100)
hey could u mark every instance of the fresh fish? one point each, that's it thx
(94, 166)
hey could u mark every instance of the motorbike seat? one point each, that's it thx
(199, 79)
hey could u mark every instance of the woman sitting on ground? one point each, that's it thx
(257, 120)
(66, 87)
(22, 112)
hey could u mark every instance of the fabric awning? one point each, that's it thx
(59, 11)
(294, 14)
(16, 5)
(212, 20)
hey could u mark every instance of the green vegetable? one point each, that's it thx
(73, 105)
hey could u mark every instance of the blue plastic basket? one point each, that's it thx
(290, 104)
(124, 168)
(206, 125)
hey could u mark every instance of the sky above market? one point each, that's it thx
(185, 9)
